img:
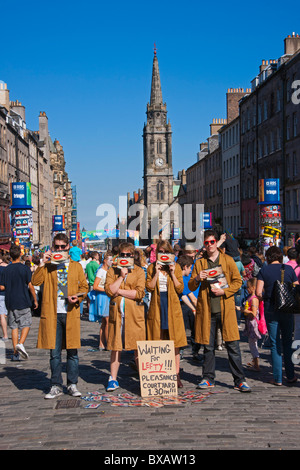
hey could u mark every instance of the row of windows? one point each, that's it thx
(231, 167)
(292, 204)
(231, 194)
(230, 137)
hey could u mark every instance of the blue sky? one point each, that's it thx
(88, 65)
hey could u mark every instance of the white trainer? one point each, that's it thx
(55, 391)
(72, 390)
(21, 349)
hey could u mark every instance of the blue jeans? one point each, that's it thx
(233, 350)
(55, 356)
(280, 328)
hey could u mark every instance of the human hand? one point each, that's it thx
(72, 299)
(201, 276)
(46, 256)
(217, 291)
(124, 272)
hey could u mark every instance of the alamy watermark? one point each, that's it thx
(174, 221)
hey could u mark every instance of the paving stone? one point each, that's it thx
(267, 418)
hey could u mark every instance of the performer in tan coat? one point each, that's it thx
(216, 306)
(165, 319)
(60, 315)
(126, 325)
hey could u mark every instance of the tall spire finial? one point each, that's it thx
(154, 49)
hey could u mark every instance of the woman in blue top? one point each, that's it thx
(280, 325)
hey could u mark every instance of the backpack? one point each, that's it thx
(262, 325)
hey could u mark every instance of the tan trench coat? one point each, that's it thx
(230, 331)
(175, 317)
(135, 328)
(47, 276)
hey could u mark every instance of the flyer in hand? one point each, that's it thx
(216, 276)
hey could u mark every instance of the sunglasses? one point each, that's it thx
(209, 242)
(62, 247)
(126, 255)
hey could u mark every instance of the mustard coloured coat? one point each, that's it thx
(135, 328)
(230, 331)
(175, 317)
(47, 275)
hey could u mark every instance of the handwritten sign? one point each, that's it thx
(157, 368)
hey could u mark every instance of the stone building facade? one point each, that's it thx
(270, 139)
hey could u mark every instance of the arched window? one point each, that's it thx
(160, 191)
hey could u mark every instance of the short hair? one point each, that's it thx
(74, 242)
(292, 253)
(61, 237)
(126, 246)
(165, 245)
(210, 233)
(15, 252)
(252, 282)
(274, 254)
(185, 260)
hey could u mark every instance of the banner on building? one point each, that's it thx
(20, 195)
(269, 191)
(58, 223)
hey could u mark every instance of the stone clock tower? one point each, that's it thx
(157, 139)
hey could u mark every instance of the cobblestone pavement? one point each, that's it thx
(267, 418)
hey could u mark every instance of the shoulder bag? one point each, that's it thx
(286, 295)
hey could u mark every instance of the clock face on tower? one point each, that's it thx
(159, 162)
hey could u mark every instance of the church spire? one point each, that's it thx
(156, 94)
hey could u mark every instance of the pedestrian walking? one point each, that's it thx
(17, 285)
(3, 309)
(102, 300)
(292, 255)
(216, 306)
(251, 312)
(64, 287)
(126, 289)
(280, 325)
(165, 319)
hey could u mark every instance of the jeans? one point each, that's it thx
(233, 350)
(189, 324)
(280, 329)
(55, 356)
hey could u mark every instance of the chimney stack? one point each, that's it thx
(292, 44)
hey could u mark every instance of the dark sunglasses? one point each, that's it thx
(210, 242)
(126, 255)
(62, 247)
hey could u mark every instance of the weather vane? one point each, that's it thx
(154, 49)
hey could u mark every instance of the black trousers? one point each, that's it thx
(233, 350)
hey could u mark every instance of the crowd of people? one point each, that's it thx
(133, 294)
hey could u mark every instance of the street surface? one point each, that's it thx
(267, 419)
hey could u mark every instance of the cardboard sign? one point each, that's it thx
(165, 258)
(125, 263)
(58, 257)
(217, 277)
(157, 368)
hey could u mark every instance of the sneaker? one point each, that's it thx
(72, 390)
(112, 385)
(21, 349)
(16, 357)
(205, 384)
(243, 387)
(55, 391)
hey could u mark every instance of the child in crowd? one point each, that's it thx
(251, 312)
